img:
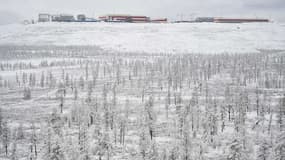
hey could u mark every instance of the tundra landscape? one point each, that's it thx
(116, 91)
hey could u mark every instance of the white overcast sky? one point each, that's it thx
(16, 10)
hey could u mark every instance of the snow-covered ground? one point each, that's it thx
(66, 93)
(151, 38)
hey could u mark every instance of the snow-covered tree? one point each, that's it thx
(34, 140)
(281, 114)
(264, 150)
(237, 151)
(279, 147)
(5, 137)
(14, 154)
(42, 82)
(27, 93)
(150, 116)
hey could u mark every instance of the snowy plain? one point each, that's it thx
(151, 38)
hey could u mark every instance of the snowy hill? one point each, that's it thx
(151, 38)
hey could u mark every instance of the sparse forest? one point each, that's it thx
(83, 103)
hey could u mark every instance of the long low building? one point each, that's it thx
(114, 17)
(63, 18)
(124, 18)
(138, 19)
(204, 19)
(161, 20)
(239, 20)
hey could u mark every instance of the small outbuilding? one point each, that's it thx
(43, 17)
(81, 18)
